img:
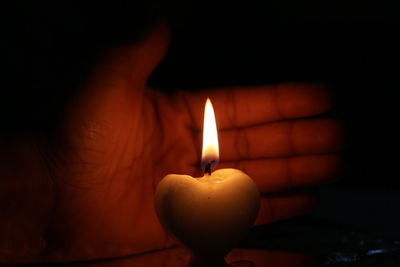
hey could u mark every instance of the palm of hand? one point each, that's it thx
(121, 142)
(120, 138)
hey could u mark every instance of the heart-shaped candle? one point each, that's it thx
(211, 214)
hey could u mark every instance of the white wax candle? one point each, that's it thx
(211, 214)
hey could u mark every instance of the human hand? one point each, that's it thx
(93, 185)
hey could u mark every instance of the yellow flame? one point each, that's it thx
(210, 136)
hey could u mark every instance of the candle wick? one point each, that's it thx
(207, 168)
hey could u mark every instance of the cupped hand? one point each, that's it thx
(120, 138)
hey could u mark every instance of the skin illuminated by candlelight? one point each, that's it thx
(88, 192)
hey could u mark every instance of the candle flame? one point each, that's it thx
(210, 152)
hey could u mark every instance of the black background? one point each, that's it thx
(353, 47)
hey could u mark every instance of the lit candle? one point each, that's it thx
(211, 214)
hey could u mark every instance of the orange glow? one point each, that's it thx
(210, 151)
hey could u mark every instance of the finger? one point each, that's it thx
(114, 95)
(244, 106)
(149, 52)
(281, 207)
(134, 62)
(282, 174)
(281, 139)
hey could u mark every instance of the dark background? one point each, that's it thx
(353, 47)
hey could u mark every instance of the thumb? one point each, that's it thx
(114, 91)
(135, 61)
(146, 54)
